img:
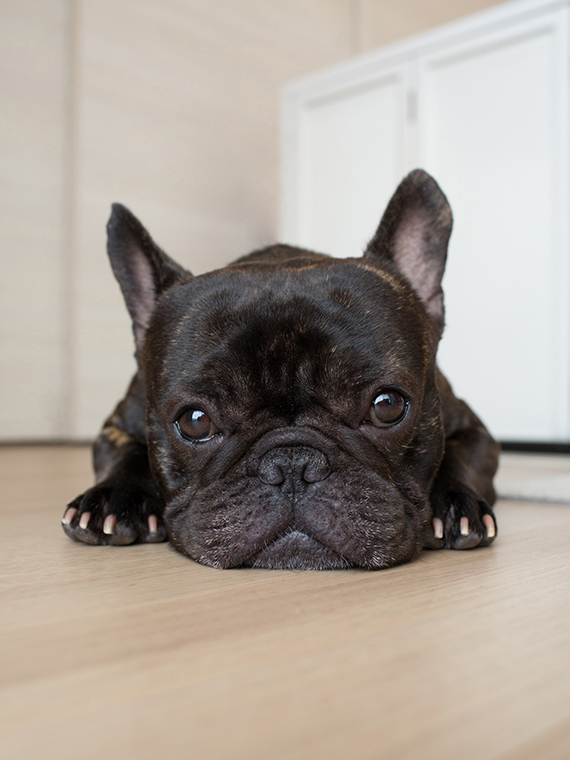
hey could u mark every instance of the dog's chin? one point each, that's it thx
(297, 551)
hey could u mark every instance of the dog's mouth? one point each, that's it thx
(297, 551)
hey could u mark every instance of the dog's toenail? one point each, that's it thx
(69, 515)
(489, 524)
(152, 524)
(84, 520)
(109, 524)
(437, 527)
(464, 526)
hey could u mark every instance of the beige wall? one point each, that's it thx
(383, 21)
(171, 107)
(32, 191)
(178, 119)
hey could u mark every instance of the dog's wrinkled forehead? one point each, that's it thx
(285, 335)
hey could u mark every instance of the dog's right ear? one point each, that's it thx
(142, 269)
(414, 233)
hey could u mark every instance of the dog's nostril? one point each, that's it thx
(316, 469)
(270, 472)
(299, 464)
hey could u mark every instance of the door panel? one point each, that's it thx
(483, 106)
(351, 156)
(492, 131)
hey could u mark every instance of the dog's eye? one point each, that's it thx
(388, 408)
(195, 425)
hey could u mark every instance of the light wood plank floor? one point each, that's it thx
(139, 653)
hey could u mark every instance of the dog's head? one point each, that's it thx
(292, 411)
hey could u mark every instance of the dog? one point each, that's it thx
(287, 411)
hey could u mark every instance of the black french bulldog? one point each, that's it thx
(287, 411)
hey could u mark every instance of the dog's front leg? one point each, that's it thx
(462, 494)
(125, 505)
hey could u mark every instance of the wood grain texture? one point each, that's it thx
(138, 652)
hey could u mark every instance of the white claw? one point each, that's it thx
(69, 515)
(489, 524)
(84, 520)
(152, 524)
(464, 526)
(109, 524)
(437, 527)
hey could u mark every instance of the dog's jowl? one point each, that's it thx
(287, 411)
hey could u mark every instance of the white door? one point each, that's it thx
(348, 150)
(493, 130)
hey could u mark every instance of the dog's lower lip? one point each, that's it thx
(291, 533)
(295, 549)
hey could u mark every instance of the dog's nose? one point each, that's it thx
(294, 465)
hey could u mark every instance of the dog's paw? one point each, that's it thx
(115, 514)
(460, 520)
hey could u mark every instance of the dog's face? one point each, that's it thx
(292, 411)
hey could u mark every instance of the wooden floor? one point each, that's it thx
(137, 652)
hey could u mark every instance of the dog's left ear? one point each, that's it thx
(414, 233)
(143, 270)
